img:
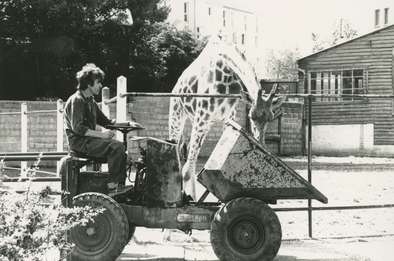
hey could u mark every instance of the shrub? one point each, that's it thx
(31, 225)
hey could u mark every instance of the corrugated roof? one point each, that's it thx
(340, 44)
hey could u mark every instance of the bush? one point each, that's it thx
(30, 225)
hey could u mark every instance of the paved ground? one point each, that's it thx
(197, 247)
(345, 181)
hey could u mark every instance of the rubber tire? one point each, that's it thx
(112, 225)
(237, 215)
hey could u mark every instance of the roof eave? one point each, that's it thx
(340, 44)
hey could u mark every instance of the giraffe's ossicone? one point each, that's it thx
(220, 69)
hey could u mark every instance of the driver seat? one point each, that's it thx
(91, 163)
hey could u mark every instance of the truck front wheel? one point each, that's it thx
(105, 238)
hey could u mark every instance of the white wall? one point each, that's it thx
(350, 139)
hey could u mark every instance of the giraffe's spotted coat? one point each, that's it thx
(220, 69)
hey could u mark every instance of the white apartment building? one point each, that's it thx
(209, 17)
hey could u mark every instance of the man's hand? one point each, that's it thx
(125, 124)
(108, 134)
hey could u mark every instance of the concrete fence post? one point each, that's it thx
(23, 137)
(105, 93)
(59, 129)
(59, 125)
(121, 103)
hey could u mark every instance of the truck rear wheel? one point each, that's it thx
(246, 229)
(105, 238)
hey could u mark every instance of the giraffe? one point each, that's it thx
(220, 69)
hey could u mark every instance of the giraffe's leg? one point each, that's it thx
(176, 120)
(176, 124)
(201, 125)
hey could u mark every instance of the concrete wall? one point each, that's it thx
(150, 112)
(347, 139)
(153, 114)
(41, 127)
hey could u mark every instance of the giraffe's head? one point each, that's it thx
(264, 109)
(261, 110)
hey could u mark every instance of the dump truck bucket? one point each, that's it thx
(239, 166)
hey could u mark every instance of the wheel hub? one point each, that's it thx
(94, 236)
(246, 235)
(90, 231)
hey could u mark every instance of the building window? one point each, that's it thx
(386, 16)
(243, 38)
(345, 82)
(209, 11)
(224, 18)
(377, 14)
(198, 32)
(185, 11)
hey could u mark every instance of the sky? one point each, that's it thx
(288, 24)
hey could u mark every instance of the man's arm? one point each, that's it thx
(102, 120)
(77, 121)
(76, 116)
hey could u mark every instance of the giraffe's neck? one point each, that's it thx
(228, 53)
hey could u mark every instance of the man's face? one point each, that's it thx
(96, 87)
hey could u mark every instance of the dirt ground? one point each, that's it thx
(338, 235)
(344, 181)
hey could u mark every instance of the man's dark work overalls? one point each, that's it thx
(81, 114)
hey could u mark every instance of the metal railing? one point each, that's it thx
(24, 112)
(121, 104)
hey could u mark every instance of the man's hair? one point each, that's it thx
(89, 73)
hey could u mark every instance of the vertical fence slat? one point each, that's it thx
(59, 125)
(59, 129)
(121, 103)
(23, 136)
(105, 93)
(310, 162)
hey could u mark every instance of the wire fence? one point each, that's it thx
(121, 108)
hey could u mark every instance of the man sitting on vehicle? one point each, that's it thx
(81, 114)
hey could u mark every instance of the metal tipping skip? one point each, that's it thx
(240, 166)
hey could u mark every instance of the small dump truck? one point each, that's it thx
(240, 173)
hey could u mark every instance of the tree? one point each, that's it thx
(343, 31)
(282, 65)
(43, 43)
(318, 44)
(162, 56)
